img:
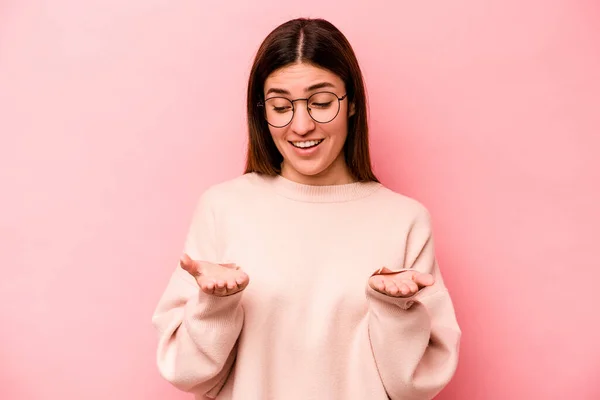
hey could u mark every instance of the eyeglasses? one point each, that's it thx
(322, 107)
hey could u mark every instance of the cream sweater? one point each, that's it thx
(308, 326)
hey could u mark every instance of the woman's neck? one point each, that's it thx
(336, 174)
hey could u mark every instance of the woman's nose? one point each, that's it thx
(302, 123)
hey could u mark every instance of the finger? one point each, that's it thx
(414, 288)
(411, 286)
(209, 282)
(186, 259)
(231, 285)
(391, 288)
(242, 279)
(187, 264)
(234, 290)
(377, 284)
(220, 286)
(402, 289)
(211, 286)
(208, 290)
(423, 279)
(244, 285)
(207, 286)
(220, 291)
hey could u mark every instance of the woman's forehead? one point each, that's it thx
(301, 77)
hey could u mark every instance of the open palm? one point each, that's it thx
(216, 279)
(400, 284)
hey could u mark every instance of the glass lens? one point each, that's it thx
(323, 107)
(278, 111)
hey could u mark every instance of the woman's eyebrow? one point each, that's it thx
(277, 91)
(316, 86)
(320, 85)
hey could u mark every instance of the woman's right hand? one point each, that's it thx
(216, 279)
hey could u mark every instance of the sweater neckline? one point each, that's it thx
(321, 193)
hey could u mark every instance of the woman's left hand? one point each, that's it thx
(400, 284)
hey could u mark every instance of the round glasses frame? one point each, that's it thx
(262, 104)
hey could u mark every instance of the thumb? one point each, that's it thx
(188, 264)
(423, 279)
(384, 271)
(185, 258)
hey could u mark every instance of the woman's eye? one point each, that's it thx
(281, 109)
(321, 105)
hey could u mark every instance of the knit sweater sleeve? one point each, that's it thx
(415, 340)
(197, 332)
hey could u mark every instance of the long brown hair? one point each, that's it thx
(320, 43)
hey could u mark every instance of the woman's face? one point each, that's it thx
(312, 151)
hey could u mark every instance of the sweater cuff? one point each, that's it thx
(211, 304)
(215, 311)
(390, 301)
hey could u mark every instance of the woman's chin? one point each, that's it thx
(303, 170)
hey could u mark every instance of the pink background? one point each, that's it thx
(115, 115)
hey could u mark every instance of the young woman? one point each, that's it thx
(306, 278)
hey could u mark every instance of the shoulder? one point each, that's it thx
(231, 190)
(230, 186)
(400, 206)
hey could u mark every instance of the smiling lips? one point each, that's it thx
(307, 144)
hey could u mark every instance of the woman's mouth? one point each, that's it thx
(307, 144)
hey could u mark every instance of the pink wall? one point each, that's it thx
(112, 123)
